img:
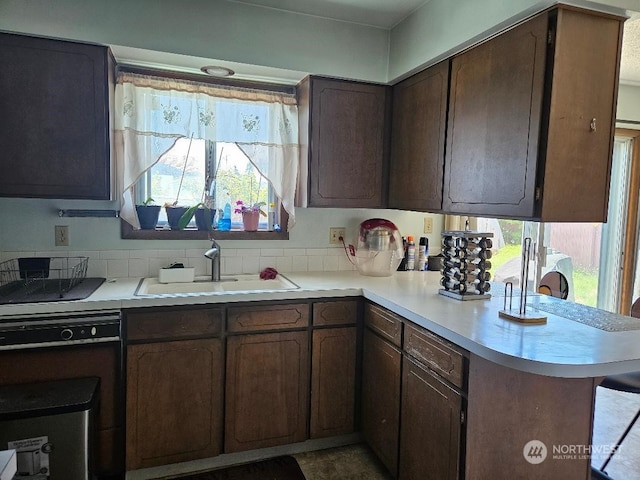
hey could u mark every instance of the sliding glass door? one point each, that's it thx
(599, 260)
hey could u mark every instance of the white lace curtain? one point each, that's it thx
(152, 113)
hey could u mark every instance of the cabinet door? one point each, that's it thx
(174, 402)
(55, 106)
(430, 426)
(333, 376)
(495, 108)
(348, 150)
(381, 363)
(585, 80)
(267, 390)
(417, 140)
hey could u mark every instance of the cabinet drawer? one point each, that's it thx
(385, 323)
(174, 324)
(335, 313)
(440, 356)
(272, 317)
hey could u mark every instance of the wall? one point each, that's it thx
(29, 226)
(628, 105)
(240, 33)
(212, 29)
(441, 28)
(237, 32)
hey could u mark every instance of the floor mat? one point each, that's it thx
(279, 468)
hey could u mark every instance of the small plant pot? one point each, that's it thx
(250, 221)
(202, 221)
(148, 216)
(173, 216)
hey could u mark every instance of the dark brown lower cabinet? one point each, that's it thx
(381, 364)
(333, 380)
(174, 402)
(60, 363)
(430, 426)
(267, 390)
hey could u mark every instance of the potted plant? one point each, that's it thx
(203, 211)
(250, 214)
(148, 214)
(204, 217)
(174, 214)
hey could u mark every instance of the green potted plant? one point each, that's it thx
(148, 214)
(174, 214)
(204, 217)
(203, 211)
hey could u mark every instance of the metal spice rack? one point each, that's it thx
(37, 275)
(465, 270)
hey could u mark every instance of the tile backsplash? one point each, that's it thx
(146, 263)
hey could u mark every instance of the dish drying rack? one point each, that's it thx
(37, 275)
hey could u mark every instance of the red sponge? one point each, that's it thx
(268, 273)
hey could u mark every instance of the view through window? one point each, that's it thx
(196, 171)
(572, 249)
(589, 255)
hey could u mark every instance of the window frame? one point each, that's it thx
(127, 232)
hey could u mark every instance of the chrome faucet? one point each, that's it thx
(214, 254)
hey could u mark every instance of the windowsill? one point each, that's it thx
(127, 232)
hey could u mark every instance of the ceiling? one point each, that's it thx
(376, 13)
(388, 13)
(630, 63)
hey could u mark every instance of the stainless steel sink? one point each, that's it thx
(227, 284)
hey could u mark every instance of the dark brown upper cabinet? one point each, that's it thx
(418, 128)
(54, 102)
(531, 120)
(344, 131)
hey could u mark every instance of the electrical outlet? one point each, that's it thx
(62, 235)
(428, 225)
(335, 233)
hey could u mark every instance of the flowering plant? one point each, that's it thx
(242, 208)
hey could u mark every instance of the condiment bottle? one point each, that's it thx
(411, 253)
(271, 216)
(423, 251)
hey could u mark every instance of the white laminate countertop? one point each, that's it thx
(562, 347)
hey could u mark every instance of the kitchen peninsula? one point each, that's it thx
(522, 382)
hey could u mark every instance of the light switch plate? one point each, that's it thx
(62, 235)
(428, 225)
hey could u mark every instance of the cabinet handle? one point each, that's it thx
(592, 126)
